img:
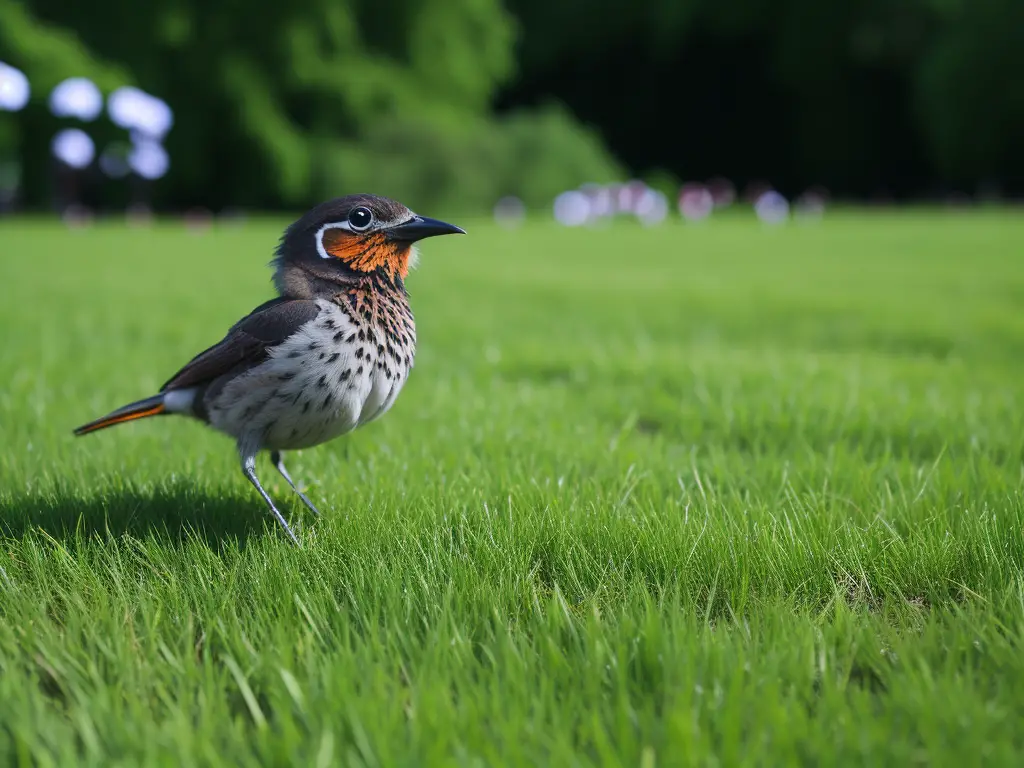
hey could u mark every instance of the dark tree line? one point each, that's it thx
(900, 97)
(454, 103)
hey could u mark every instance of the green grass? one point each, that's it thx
(709, 495)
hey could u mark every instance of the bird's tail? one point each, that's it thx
(151, 406)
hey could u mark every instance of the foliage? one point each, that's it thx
(548, 151)
(859, 95)
(284, 104)
(277, 102)
(50, 53)
(466, 165)
(970, 93)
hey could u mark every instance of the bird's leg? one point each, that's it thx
(275, 457)
(249, 468)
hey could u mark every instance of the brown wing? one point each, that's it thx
(247, 343)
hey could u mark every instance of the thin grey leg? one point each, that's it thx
(275, 457)
(249, 467)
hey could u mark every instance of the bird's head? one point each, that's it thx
(352, 237)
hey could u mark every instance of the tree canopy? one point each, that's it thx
(459, 102)
(903, 96)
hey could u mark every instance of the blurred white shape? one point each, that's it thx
(771, 207)
(76, 216)
(73, 147)
(695, 202)
(114, 161)
(624, 199)
(148, 159)
(14, 90)
(723, 191)
(628, 195)
(651, 207)
(509, 211)
(198, 220)
(138, 215)
(572, 208)
(136, 110)
(76, 97)
(810, 206)
(602, 200)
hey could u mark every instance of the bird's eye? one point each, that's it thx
(360, 218)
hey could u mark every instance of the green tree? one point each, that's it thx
(970, 88)
(286, 103)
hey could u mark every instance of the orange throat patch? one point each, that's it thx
(368, 253)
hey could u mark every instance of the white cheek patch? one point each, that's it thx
(414, 256)
(377, 225)
(320, 236)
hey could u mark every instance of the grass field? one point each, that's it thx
(710, 495)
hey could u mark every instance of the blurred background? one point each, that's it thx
(216, 107)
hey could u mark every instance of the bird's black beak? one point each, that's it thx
(419, 227)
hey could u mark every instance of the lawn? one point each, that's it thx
(711, 495)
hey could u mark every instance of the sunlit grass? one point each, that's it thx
(711, 494)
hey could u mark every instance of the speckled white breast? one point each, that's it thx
(330, 377)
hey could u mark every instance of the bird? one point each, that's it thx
(330, 353)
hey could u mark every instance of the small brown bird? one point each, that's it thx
(330, 354)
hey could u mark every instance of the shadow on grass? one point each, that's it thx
(177, 512)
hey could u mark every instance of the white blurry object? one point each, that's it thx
(136, 110)
(76, 216)
(625, 199)
(148, 159)
(695, 202)
(73, 147)
(810, 206)
(76, 97)
(723, 191)
(651, 207)
(138, 215)
(198, 220)
(509, 211)
(603, 200)
(14, 89)
(771, 207)
(629, 196)
(572, 208)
